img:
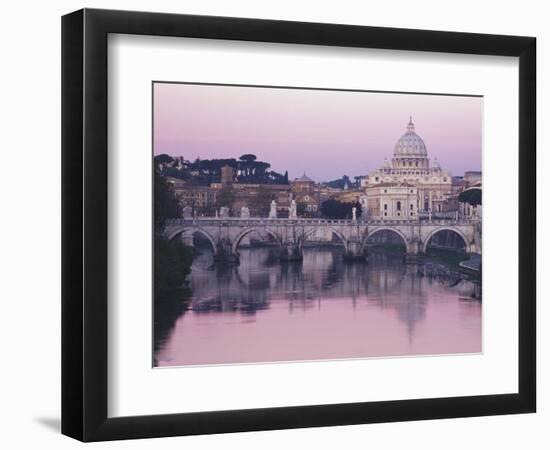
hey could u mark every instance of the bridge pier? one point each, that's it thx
(187, 239)
(225, 254)
(291, 252)
(226, 234)
(414, 258)
(414, 252)
(355, 252)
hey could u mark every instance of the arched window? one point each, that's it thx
(398, 206)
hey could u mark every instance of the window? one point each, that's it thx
(385, 207)
(412, 214)
(385, 214)
(398, 206)
(375, 178)
(411, 207)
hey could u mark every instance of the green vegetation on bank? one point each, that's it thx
(386, 248)
(446, 256)
(334, 209)
(171, 265)
(207, 171)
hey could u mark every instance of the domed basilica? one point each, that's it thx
(408, 185)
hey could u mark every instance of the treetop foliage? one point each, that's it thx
(470, 196)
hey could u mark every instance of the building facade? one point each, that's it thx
(410, 164)
(306, 195)
(390, 201)
(410, 173)
(201, 199)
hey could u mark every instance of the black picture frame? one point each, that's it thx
(84, 224)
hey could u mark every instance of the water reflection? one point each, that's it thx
(263, 310)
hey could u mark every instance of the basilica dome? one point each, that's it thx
(410, 145)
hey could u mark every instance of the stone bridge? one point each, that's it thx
(225, 234)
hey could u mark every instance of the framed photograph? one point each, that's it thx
(273, 224)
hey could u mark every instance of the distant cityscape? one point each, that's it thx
(408, 187)
(283, 233)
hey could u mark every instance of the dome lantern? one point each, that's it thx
(410, 125)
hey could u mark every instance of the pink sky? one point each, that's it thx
(325, 133)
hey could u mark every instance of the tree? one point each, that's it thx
(226, 197)
(164, 158)
(334, 209)
(339, 183)
(470, 196)
(249, 157)
(301, 209)
(358, 209)
(261, 202)
(166, 204)
(181, 174)
(172, 264)
(172, 260)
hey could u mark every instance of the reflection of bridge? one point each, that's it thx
(226, 234)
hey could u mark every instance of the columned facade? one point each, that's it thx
(410, 166)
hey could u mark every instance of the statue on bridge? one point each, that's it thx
(245, 212)
(293, 211)
(187, 212)
(354, 214)
(224, 212)
(273, 210)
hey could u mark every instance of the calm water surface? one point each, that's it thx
(263, 310)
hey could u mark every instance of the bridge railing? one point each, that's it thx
(256, 221)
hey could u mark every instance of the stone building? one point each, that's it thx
(254, 196)
(472, 177)
(227, 176)
(306, 194)
(410, 165)
(257, 197)
(349, 196)
(201, 199)
(390, 201)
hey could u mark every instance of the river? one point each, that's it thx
(321, 309)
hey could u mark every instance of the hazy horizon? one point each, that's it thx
(325, 133)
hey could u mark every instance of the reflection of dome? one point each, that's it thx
(410, 145)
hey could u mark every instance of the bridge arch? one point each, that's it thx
(433, 232)
(194, 230)
(247, 231)
(340, 236)
(387, 228)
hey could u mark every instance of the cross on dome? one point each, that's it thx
(304, 177)
(410, 125)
